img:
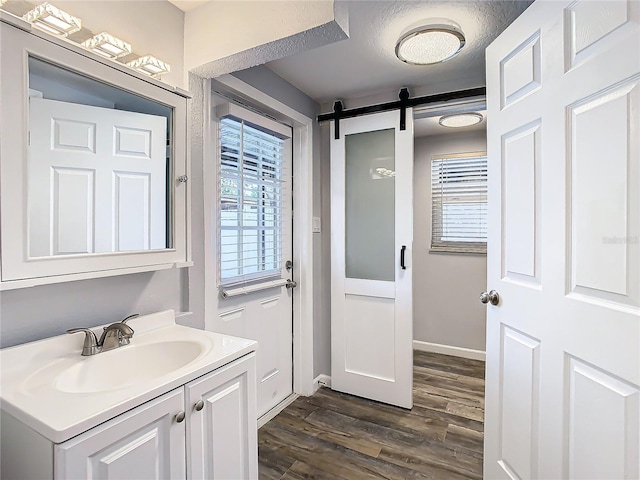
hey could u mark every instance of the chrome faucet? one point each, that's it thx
(114, 336)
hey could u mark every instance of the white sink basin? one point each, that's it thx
(51, 387)
(126, 366)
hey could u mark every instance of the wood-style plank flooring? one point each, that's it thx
(331, 435)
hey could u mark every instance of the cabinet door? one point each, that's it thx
(222, 441)
(145, 443)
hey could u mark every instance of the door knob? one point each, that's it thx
(491, 297)
(291, 284)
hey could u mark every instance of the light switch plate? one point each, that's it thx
(317, 226)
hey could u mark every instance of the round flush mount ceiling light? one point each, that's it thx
(430, 44)
(459, 120)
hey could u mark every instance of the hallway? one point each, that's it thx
(338, 436)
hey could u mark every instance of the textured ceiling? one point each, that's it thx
(365, 64)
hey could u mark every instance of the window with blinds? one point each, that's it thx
(459, 203)
(251, 193)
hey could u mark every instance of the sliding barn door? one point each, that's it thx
(563, 340)
(371, 235)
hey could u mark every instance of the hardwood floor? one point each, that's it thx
(331, 435)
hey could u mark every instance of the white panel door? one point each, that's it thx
(265, 315)
(97, 179)
(222, 438)
(371, 237)
(146, 443)
(563, 343)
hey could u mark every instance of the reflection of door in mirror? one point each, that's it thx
(97, 179)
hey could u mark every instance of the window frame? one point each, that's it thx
(467, 247)
(255, 121)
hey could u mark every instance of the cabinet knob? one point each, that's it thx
(180, 417)
(199, 405)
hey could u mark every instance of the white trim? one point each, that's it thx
(237, 111)
(302, 225)
(73, 277)
(321, 380)
(449, 350)
(277, 409)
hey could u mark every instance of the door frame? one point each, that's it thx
(302, 144)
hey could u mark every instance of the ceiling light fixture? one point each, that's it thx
(107, 45)
(53, 20)
(150, 65)
(458, 120)
(430, 44)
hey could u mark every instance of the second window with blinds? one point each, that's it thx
(252, 197)
(459, 203)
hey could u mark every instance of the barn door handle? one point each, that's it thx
(402, 250)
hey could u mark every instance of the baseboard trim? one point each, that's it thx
(321, 380)
(277, 409)
(449, 350)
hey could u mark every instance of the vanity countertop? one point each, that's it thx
(57, 392)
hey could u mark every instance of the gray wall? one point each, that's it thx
(268, 82)
(30, 314)
(446, 286)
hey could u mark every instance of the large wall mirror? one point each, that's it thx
(93, 165)
(99, 161)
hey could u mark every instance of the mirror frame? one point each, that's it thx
(17, 270)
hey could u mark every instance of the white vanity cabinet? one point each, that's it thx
(144, 443)
(173, 436)
(222, 433)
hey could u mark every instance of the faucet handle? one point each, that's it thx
(90, 346)
(129, 317)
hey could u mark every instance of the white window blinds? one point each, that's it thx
(251, 193)
(459, 203)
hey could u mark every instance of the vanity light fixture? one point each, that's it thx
(150, 65)
(430, 44)
(53, 20)
(107, 45)
(458, 120)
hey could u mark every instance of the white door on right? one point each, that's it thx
(563, 343)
